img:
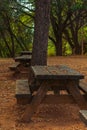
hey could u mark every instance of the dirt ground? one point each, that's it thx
(49, 117)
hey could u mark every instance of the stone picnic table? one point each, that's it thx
(58, 77)
(26, 53)
(24, 59)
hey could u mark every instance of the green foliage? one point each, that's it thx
(17, 22)
(51, 49)
(16, 26)
(67, 49)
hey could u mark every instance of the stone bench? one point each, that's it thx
(83, 116)
(14, 66)
(83, 113)
(83, 86)
(23, 94)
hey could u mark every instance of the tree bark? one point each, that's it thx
(42, 16)
(58, 35)
(6, 43)
(11, 34)
(58, 45)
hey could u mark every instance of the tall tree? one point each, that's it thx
(67, 17)
(42, 16)
(40, 39)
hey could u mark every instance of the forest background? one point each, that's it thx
(67, 33)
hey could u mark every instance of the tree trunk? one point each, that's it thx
(58, 45)
(11, 35)
(19, 42)
(77, 45)
(6, 43)
(40, 42)
(13, 46)
(77, 49)
(58, 35)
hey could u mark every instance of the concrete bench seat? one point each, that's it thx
(83, 113)
(23, 94)
(14, 66)
(83, 116)
(83, 86)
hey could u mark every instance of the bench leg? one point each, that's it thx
(56, 91)
(32, 108)
(72, 86)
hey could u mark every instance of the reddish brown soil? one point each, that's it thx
(49, 117)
